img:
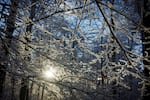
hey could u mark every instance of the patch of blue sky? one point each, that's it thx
(5, 1)
(138, 49)
(1, 7)
(71, 19)
(89, 26)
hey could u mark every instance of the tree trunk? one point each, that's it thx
(2, 79)
(13, 88)
(24, 89)
(10, 26)
(146, 45)
(43, 88)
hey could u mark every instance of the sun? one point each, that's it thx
(50, 73)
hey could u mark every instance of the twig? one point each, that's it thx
(119, 43)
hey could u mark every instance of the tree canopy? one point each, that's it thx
(74, 50)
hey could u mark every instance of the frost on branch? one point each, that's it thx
(75, 50)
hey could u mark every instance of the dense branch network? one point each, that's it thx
(94, 69)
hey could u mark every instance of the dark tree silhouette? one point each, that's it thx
(146, 44)
(10, 26)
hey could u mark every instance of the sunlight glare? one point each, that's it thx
(50, 73)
